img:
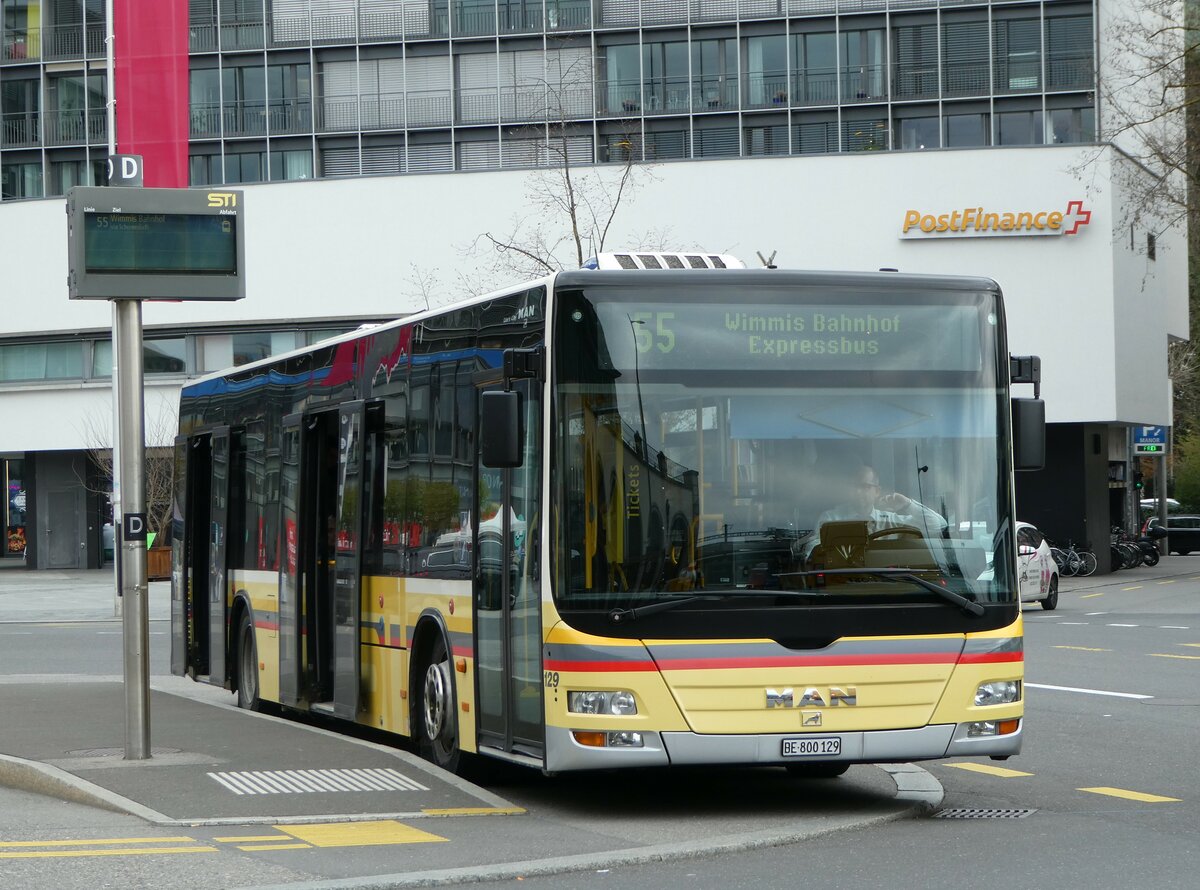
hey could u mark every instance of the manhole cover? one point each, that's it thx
(969, 813)
(116, 752)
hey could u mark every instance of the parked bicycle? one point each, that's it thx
(1072, 561)
(1126, 554)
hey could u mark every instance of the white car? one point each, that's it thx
(1037, 572)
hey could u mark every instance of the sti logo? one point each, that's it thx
(222, 199)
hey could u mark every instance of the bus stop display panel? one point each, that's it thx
(155, 244)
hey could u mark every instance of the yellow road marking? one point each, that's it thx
(67, 854)
(1088, 596)
(474, 811)
(1081, 648)
(990, 770)
(95, 841)
(359, 834)
(258, 848)
(251, 839)
(1132, 795)
(1194, 645)
(1134, 587)
(1170, 581)
(1184, 657)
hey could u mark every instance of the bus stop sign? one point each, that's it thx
(1150, 440)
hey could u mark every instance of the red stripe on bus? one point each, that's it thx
(699, 664)
(598, 666)
(991, 657)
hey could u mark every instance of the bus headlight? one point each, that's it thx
(620, 703)
(998, 692)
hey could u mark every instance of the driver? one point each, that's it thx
(881, 511)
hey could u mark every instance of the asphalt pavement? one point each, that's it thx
(212, 764)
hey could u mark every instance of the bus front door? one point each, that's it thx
(507, 596)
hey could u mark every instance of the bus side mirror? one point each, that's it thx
(1029, 434)
(500, 429)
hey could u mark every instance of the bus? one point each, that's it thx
(601, 520)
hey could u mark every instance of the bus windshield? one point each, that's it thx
(779, 445)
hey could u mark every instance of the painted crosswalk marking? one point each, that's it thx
(304, 781)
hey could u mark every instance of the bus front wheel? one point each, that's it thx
(247, 662)
(436, 717)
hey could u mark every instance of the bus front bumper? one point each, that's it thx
(689, 748)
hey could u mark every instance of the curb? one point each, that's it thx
(915, 786)
(42, 778)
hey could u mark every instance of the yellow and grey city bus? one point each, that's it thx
(628, 517)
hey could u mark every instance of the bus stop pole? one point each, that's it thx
(127, 347)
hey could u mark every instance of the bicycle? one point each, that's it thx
(1072, 561)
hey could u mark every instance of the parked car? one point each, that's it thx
(1183, 532)
(1037, 572)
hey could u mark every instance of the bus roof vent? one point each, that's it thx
(662, 260)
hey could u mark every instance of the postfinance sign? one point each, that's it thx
(986, 222)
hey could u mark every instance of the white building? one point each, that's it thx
(1007, 88)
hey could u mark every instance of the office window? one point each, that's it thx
(289, 99)
(862, 65)
(1072, 125)
(966, 130)
(20, 120)
(965, 67)
(622, 80)
(814, 58)
(864, 135)
(714, 75)
(766, 140)
(245, 167)
(165, 356)
(918, 133)
(716, 142)
(1017, 48)
(1069, 53)
(766, 71)
(666, 145)
(205, 170)
(41, 361)
(665, 74)
(1019, 128)
(65, 175)
(21, 180)
(292, 164)
(916, 61)
(815, 137)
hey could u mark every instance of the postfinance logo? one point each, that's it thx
(983, 222)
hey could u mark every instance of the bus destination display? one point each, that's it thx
(159, 242)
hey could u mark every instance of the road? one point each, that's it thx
(1105, 793)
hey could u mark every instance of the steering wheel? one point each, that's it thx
(907, 531)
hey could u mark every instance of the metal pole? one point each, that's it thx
(127, 348)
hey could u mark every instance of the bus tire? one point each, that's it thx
(247, 665)
(829, 769)
(436, 715)
(1050, 603)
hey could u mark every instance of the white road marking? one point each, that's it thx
(1089, 691)
(1124, 625)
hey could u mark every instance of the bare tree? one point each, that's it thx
(159, 464)
(571, 205)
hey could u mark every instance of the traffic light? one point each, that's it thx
(1137, 481)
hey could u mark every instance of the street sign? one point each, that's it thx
(1150, 440)
(124, 170)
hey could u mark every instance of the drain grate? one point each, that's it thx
(971, 813)
(116, 752)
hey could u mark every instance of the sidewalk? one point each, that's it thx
(1168, 567)
(215, 765)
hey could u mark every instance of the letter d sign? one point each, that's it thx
(135, 527)
(125, 170)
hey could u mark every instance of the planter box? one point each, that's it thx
(158, 564)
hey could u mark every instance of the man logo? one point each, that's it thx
(222, 199)
(813, 697)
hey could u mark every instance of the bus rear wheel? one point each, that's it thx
(436, 710)
(829, 769)
(247, 665)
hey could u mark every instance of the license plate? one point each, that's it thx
(812, 747)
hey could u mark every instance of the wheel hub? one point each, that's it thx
(437, 694)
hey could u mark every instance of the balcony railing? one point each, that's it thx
(967, 79)
(715, 94)
(76, 127)
(19, 129)
(21, 46)
(568, 15)
(767, 89)
(385, 111)
(70, 41)
(863, 84)
(915, 81)
(816, 86)
(1070, 74)
(429, 108)
(667, 96)
(279, 117)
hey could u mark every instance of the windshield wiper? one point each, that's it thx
(618, 616)
(901, 574)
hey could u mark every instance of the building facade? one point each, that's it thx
(376, 138)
